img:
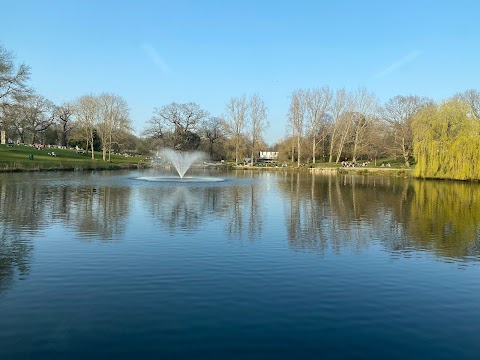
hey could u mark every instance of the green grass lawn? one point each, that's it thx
(19, 158)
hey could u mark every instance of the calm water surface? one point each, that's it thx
(260, 265)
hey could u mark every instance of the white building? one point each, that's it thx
(268, 156)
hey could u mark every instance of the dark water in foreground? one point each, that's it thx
(261, 265)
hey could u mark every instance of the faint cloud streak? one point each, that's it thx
(155, 57)
(398, 64)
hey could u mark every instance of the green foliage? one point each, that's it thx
(447, 142)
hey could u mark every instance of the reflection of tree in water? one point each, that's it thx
(28, 207)
(366, 208)
(15, 256)
(20, 219)
(307, 219)
(24, 205)
(350, 211)
(234, 212)
(181, 207)
(255, 211)
(244, 212)
(90, 210)
(244, 209)
(318, 217)
(188, 207)
(445, 218)
(96, 211)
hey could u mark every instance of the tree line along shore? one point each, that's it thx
(325, 128)
(20, 157)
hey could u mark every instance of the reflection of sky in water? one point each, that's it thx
(266, 262)
(317, 213)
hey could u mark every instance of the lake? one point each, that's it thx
(243, 264)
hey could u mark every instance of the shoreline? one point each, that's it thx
(368, 170)
(384, 171)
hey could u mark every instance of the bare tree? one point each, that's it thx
(377, 138)
(399, 112)
(289, 144)
(212, 130)
(64, 115)
(12, 78)
(15, 118)
(338, 109)
(296, 116)
(31, 115)
(235, 120)
(113, 119)
(472, 98)
(258, 121)
(121, 125)
(317, 103)
(365, 109)
(86, 112)
(155, 129)
(345, 121)
(181, 121)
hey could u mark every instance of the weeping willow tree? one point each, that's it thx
(447, 142)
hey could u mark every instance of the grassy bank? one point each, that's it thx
(377, 171)
(392, 167)
(384, 167)
(28, 158)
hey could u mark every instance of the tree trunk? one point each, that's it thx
(406, 154)
(342, 143)
(93, 151)
(110, 148)
(340, 148)
(314, 149)
(355, 147)
(64, 134)
(332, 141)
(293, 150)
(236, 152)
(298, 151)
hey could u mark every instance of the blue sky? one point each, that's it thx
(155, 52)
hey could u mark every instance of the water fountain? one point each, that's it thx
(182, 161)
